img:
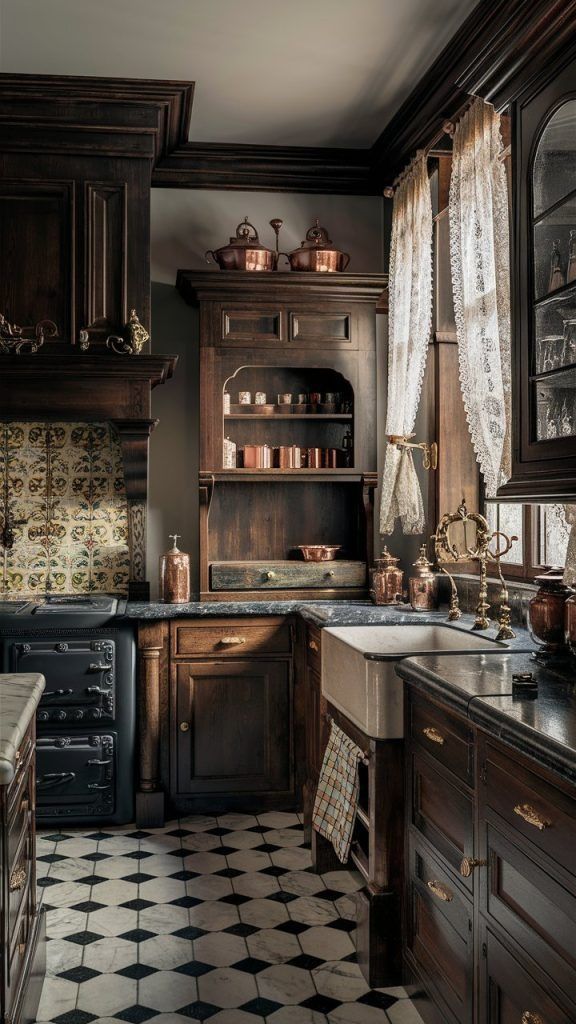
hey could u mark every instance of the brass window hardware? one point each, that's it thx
(233, 641)
(441, 891)
(433, 735)
(18, 879)
(313, 645)
(531, 816)
(429, 449)
(468, 864)
(531, 1018)
(184, 726)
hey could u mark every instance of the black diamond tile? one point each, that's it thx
(250, 965)
(91, 880)
(223, 851)
(241, 929)
(219, 831)
(137, 904)
(96, 856)
(87, 907)
(83, 938)
(194, 969)
(199, 1010)
(282, 897)
(179, 833)
(51, 858)
(137, 878)
(328, 894)
(292, 927)
(298, 827)
(75, 1017)
(352, 958)
(189, 932)
(341, 925)
(137, 855)
(258, 828)
(179, 852)
(275, 871)
(235, 899)
(184, 876)
(139, 834)
(99, 836)
(377, 999)
(307, 963)
(137, 935)
(229, 873)
(261, 1007)
(137, 971)
(46, 882)
(267, 848)
(57, 837)
(79, 974)
(322, 1004)
(136, 1014)
(185, 901)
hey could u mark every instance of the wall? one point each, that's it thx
(184, 224)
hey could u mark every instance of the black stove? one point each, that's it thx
(86, 717)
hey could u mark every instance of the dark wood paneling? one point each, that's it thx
(441, 812)
(512, 994)
(230, 638)
(106, 242)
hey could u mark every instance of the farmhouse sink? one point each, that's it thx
(358, 675)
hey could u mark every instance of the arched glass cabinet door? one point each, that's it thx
(553, 355)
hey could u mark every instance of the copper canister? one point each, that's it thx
(257, 456)
(287, 456)
(175, 575)
(386, 580)
(330, 458)
(314, 458)
(422, 584)
(547, 609)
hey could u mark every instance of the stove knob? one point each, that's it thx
(59, 716)
(95, 713)
(43, 716)
(78, 714)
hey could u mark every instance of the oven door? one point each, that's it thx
(80, 677)
(75, 776)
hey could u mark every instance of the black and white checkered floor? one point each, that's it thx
(215, 919)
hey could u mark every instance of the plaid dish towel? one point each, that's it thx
(337, 794)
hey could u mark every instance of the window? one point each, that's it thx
(542, 533)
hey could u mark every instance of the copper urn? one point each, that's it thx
(422, 584)
(244, 251)
(547, 609)
(175, 575)
(317, 253)
(386, 580)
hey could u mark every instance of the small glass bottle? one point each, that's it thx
(557, 278)
(347, 448)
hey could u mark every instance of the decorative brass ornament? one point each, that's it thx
(530, 815)
(429, 450)
(15, 339)
(135, 337)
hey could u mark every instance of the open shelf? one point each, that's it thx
(337, 475)
(322, 416)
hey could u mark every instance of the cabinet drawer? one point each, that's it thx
(534, 808)
(440, 931)
(441, 812)
(23, 757)
(20, 816)
(511, 994)
(20, 880)
(445, 737)
(233, 638)
(286, 575)
(531, 905)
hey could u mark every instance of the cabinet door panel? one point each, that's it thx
(510, 994)
(442, 813)
(233, 727)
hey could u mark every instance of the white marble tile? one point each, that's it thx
(213, 917)
(226, 987)
(340, 980)
(358, 1013)
(66, 894)
(285, 837)
(274, 946)
(278, 819)
(312, 911)
(109, 954)
(110, 993)
(347, 907)
(220, 949)
(263, 913)
(165, 952)
(118, 867)
(160, 865)
(161, 890)
(243, 840)
(285, 984)
(231, 1017)
(58, 996)
(62, 956)
(404, 1012)
(209, 887)
(163, 918)
(197, 823)
(113, 891)
(255, 884)
(249, 860)
(295, 859)
(77, 847)
(68, 870)
(112, 921)
(326, 943)
(63, 922)
(201, 841)
(301, 883)
(236, 821)
(118, 844)
(204, 862)
(343, 881)
(167, 991)
(295, 1015)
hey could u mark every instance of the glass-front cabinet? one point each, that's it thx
(544, 288)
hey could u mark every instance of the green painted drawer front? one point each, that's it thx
(286, 575)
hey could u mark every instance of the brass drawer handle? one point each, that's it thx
(530, 815)
(18, 879)
(233, 641)
(313, 645)
(440, 891)
(532, 1018)
(433, 735)
(270, 575)
(184, 726)
(468, 864)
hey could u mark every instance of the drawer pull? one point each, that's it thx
(530, 815)
(433, 735)
(313, 645)
(531, 1018)
(270, 575)
(233, 641)
(440, 891)
(18, 879)
(57, 693)
(468, 864)
(184, 726)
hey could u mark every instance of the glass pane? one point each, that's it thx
(555, 333)
(556, 406)
(554, 532)
(555, 249)
(508, 519)
(555, 160)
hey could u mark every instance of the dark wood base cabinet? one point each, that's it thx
(490, 893)
(22, 923)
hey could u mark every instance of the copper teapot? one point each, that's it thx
(244, 251)
(317, 253)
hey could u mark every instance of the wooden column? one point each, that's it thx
(152, 640)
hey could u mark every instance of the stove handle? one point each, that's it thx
(96, 785)
(57, 693)
(95, 666)
(95, 760)
(52, 779)
(95, 690)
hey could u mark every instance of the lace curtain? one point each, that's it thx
(480, 259)
(570, 562)
(410, 314)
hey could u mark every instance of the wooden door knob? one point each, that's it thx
(468, 864)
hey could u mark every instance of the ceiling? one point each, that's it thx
(302, 72)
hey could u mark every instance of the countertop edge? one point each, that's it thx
(17, 708)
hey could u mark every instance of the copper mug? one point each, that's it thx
(314, 458)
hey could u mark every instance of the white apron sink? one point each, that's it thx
(358, 663)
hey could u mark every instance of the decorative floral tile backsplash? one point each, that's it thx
(62, 493)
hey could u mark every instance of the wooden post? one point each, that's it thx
(149, 794)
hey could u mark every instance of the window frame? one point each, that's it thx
(529, 567)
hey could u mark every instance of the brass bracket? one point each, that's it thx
(429, 449)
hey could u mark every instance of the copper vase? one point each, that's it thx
(175, 575)
(546, 611)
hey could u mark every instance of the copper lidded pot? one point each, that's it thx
(546, 611)
(175, 575)
(386, 580)
(244, 251)
(317, 253)
(422, 585)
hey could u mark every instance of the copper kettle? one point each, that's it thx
(244, 251)
(317, 253)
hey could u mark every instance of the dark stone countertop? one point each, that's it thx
(480, 687)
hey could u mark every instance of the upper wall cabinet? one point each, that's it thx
(544, 288)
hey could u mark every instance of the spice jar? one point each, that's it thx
(422, 584)
(175, 574)
(546, 611)
(386, 580)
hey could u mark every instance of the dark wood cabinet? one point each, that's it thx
(544, 285)
(22, 927)
(490, 895)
